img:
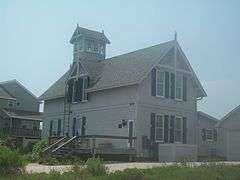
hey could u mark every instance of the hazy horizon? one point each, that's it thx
(35, 48)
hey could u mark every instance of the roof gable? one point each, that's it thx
(124, 70)
(228, 115)
(10, 87)
(87, 33)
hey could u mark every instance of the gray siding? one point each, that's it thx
(104, 111)
(148, 104)
(205, 147)
(229, 125)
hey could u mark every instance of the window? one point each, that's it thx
(160, 83)
(209, 134)
(178, 129)
(89, 46)
(159, 128)
(77, 89)
(179, 84)
(95, 47)
(101, 48)
(10, 104)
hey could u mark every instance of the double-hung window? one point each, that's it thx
(160, 83)
(159, 128)
(179, 86)
(209, 134)
(178, 129)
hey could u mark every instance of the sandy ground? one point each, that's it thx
(37, 168)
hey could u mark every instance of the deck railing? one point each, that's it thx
(20, 132)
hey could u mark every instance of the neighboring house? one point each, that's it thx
(207, 135)
(229, 135)
(19, 112)
(150, 94)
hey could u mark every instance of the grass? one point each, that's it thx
(175, 172)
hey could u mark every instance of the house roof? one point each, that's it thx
(228, 115)
(20, 114)
(122, 70)
(79, 31)
(207, 116)
(4, 94)
(5, 84)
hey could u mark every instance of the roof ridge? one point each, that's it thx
(230, 112)
(110, 58)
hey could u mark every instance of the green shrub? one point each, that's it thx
(128, 174)
(95, 167)
(38, 148)
(10, 161)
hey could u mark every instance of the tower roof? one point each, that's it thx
(79, 31)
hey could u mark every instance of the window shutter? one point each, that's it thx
(87, 85)
(184, 130)
(203, 134)
(59, 127)
(166, 84)
(50, 128)
(152, 130)
(172, 85)
(70, 90)
(166, 128)
(184, 88)
(83, 129)
(215, 134)
(172, 121)
(153, 82)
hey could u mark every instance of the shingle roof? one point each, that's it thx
(4, 94)
(122, 70)
(207, 116)
(130, 68)
(79, 31)
(236, 109)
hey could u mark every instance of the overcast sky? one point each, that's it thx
(35, 48)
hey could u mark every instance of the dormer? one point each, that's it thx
(88, 44)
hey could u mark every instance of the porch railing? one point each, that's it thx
(20, 132)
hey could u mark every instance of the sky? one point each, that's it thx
(35, 48)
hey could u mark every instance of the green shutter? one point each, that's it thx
(59, 127)
(184, 88)
(166, 84)
(166, 128)
(70, 90)
(184, 133)
(172, 85)
(215, 134)
(83, 129)
(172, 122)
(152, 130)
(153, 82)
(203, 133)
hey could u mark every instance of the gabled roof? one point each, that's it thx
(4, 94)
(229, 114)
(79, 31)
(207, 116)
(14, 81)
(122, 70)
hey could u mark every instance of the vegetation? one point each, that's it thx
(38, 148)
(95, 170)
(10, 161)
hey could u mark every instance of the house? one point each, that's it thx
(207, 135)
(19, 113)
(229, 135)
(144, 100)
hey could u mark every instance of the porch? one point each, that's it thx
(112, 147)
